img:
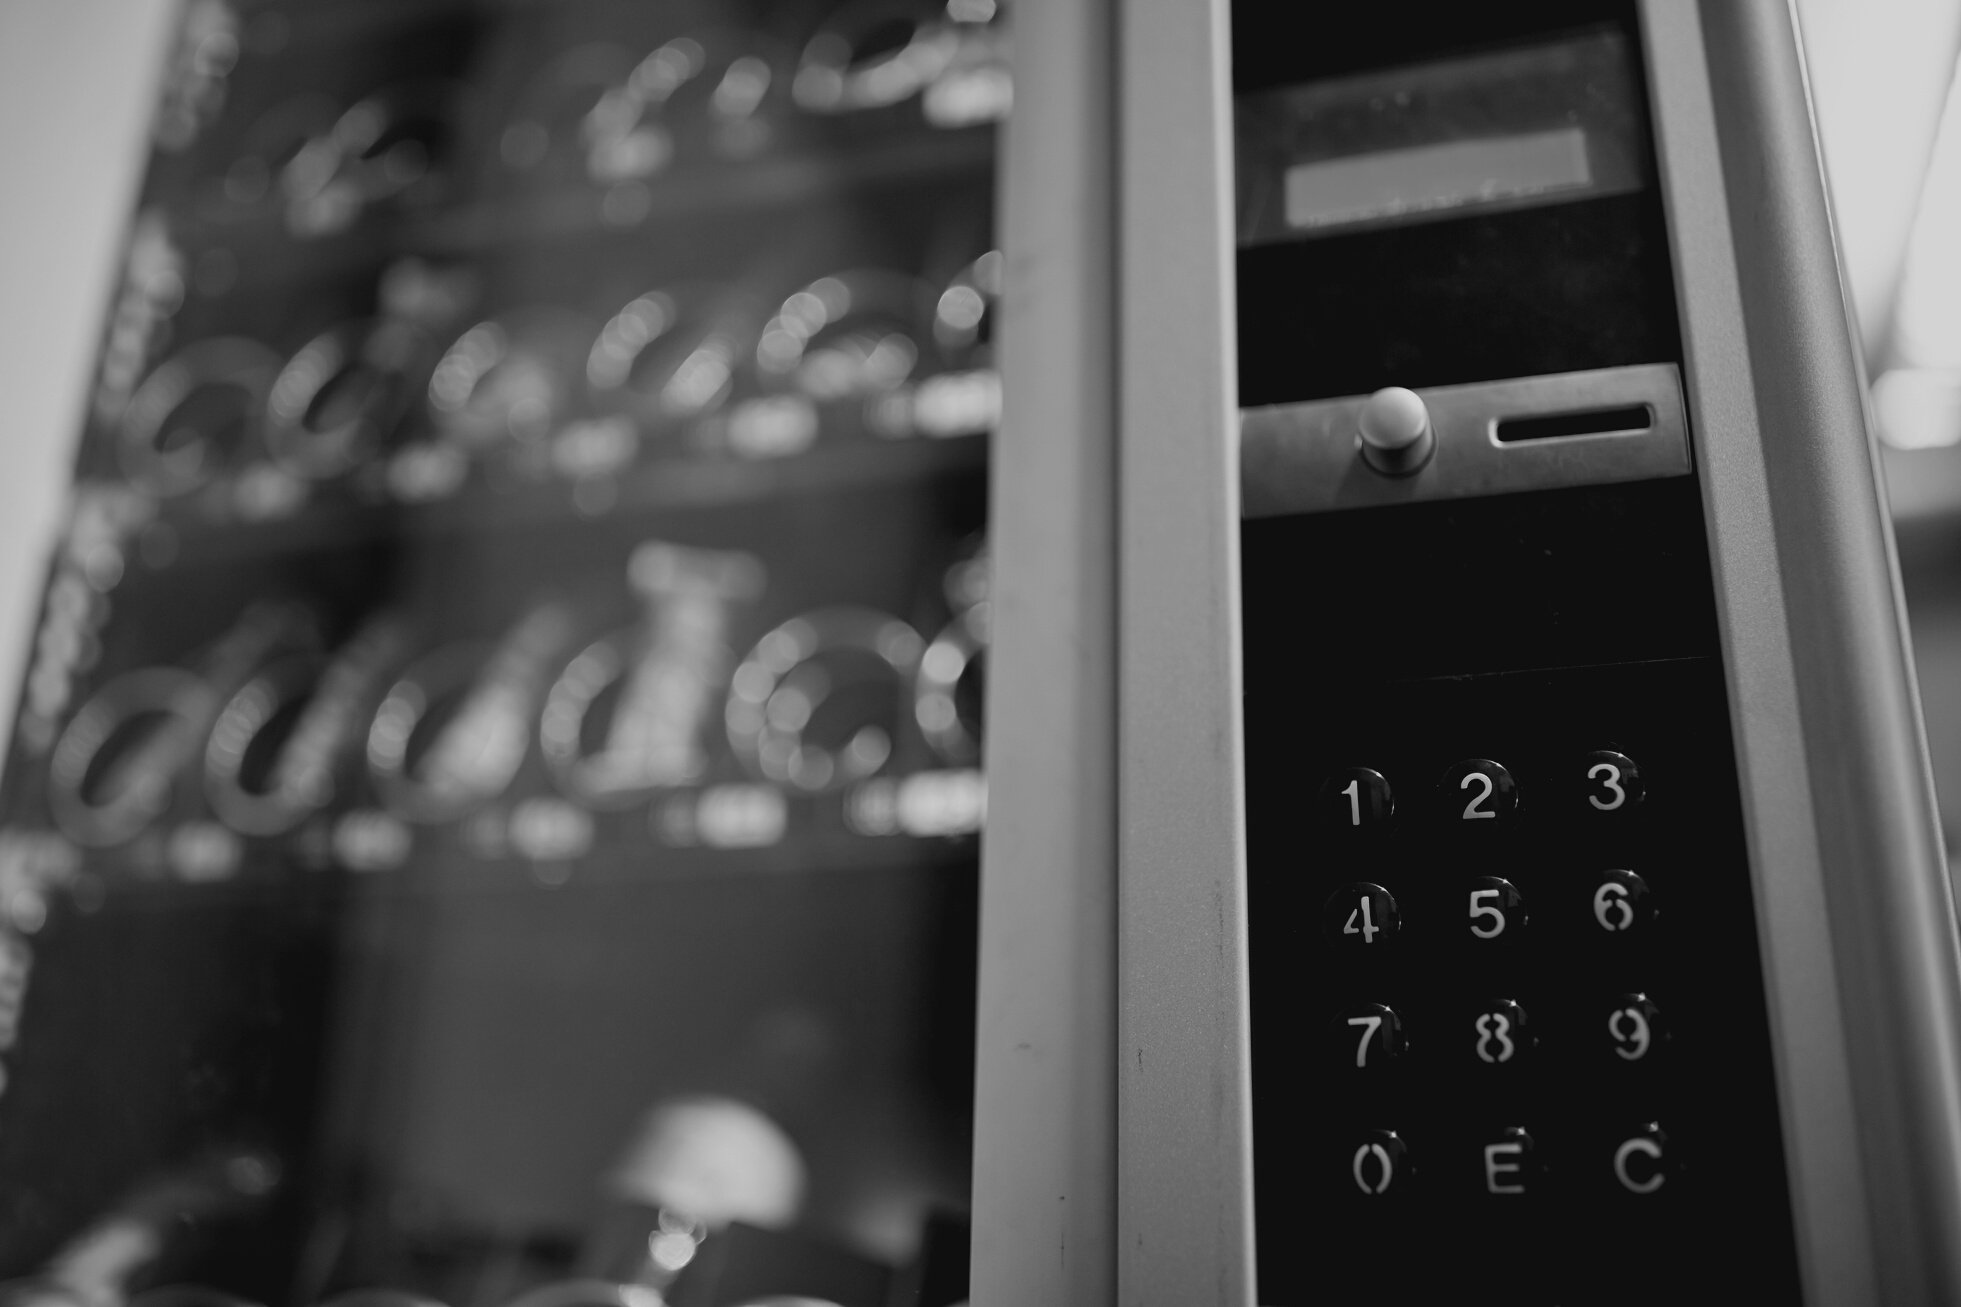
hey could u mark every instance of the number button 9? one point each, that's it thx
(1477, 792)
(1362, 916)
(1354, 799)
(1634, 1028)
(1622, 904)
(1612, 783)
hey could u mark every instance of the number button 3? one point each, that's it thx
(1613, 783)
(1362, 915)
(1478, 792)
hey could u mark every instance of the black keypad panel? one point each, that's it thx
(1543, 1072)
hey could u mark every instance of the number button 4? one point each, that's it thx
(1612, 783)
(1368, 1036)
(1362, 915)
(1497, 909)
(1477, 793)
(1355, 799)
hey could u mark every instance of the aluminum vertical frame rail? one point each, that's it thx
(1184, 1165)
(1854, 904)
(1045, 1097)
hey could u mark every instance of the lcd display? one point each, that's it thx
(1392, 183)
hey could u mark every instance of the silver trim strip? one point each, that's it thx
(1185, 1168)
(1303, 458)
(1045, 1143)
(1854, 908)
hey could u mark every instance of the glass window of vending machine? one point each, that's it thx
(492, 815)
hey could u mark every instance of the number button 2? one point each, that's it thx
(1478, 792)
(1612, 783)
(1369, 1035)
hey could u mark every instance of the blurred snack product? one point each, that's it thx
(195, 414)
(815, 705)
(454, 729)
(115, 767)
(626, 718)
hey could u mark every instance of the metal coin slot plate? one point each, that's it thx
(1302, 458)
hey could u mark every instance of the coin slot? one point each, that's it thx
(1627, 419)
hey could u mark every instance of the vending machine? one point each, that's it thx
(502, 810)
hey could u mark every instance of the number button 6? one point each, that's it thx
(1477, 792)
(1621, 903)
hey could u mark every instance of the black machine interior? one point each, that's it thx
(1509, 1029)
(494, 806)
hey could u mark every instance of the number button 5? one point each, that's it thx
(1497, 909)
(1362, 915)
(1477, 792)
(1612, 783)
(1369, 1036)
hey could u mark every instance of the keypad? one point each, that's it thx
(1524, 951)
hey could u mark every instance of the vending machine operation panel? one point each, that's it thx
(1508, 1016)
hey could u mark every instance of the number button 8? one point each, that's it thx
(1477, 792)
(1612, 783)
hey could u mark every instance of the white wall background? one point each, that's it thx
(77, 79)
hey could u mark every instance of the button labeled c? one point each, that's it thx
(1625, 1165)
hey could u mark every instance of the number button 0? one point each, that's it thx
(1622, 904)
(1369, 1035)
(1377, 1161)
(1362, 915)
(1478, 792)
(1355, 799)
(1613, 783)
(1634, 1028)
(1497, 909)
(1499, 1033)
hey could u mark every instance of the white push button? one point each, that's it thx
(1395, 431)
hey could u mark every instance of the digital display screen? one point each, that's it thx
(1422, 178)
(1538, 124)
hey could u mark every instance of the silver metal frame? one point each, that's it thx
(1304, 458)
(1855, 912)
(1045, 1142)
(1184, 1165)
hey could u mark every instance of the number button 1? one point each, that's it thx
(1478, 792)
(1362, 915)
(1613, 783)
(1369, 1035)
(1355, 799)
